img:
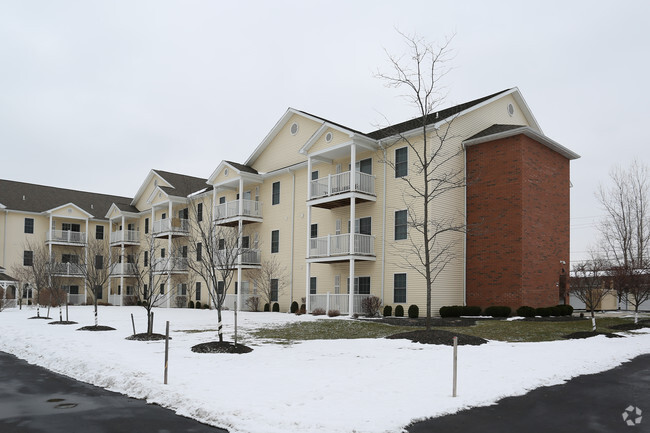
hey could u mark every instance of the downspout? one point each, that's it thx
(465, 225)
(293, 227)
(383, 234)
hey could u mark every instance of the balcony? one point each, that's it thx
(65, 237)
(171, 226)
(120, 269)
(130, 237)
(250, 258)
(170, 265)
(68, 269)
(337, 190)
(332, 248)
(228, 213)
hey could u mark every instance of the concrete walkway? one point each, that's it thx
(33, 399)
(590, 403)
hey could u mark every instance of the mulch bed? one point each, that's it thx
(588, 334)
(439, 337)
(147, 337)
(555, 319)
(40, 317)
(96, 328)
(221, 347)
(63, 322)
(421, 321)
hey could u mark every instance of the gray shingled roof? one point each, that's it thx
(431, 118)
(182, 185)
(30, 197)
(495, 129)
(5, 277)
(242, 167)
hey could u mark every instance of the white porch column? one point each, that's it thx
(308, 178)
(122, 253)
(353, 177)
(240, 241)
(50, 232)
(171, 258)
(86, 262)
(308, 267)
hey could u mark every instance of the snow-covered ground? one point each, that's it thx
(368, 385)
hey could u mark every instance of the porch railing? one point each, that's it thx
(76, 299)
(339, 245)
(229, 302)
(68, 269)
(173, 225)
(340, 302)
(340, 183)
(250, 208)
(115, 299)
(120, 236)
(170, 264)
(123, 269)
(66, 236)
(249, 256)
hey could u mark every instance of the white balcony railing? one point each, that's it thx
(340, 183)
(66, 236)
(125, 236)
(170, 264)
(339, 245)
(328, 301)
(115, 299)
(123, 269)
(68, 269)
(76, 299)
(171, 225)
(250, 208)
(249, 256)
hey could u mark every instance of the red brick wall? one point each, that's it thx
(518, 222)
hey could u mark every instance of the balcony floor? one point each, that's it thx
(341, 259)
(340, 200)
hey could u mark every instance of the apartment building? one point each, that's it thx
(330, 204)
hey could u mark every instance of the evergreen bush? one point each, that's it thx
(388, 311)
(470, 311)
(399, 311)
(198, 305)
(451, 311)
(276, 307)
(526, 311)
(190, 304)
(498, 311)
(266, 307)
(414, 311)
(294, 307)
(543, 311)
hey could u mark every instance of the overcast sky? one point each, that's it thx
(93, 94)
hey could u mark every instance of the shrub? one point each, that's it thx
(498, 311)
(206, 306)
(371, 305)
(253, 303)
(451, 311)
(399, 311)
(303, 309)
(198, 305)
(294, 306)
(276, 307)
(266, 307)
(565, 310)
(388, 311)
(526, 311)
(543, 311)
(333, 313)
(190, 304)
(318, 312)
(414, 311)
(468, 310)
(556, 311)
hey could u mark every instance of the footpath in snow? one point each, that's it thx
(366, 385)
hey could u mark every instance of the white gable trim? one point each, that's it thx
(49, 211)
(144, 185)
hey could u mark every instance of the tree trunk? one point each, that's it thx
(96, 323)
(593, 321)
(636, 314)
(219, 325)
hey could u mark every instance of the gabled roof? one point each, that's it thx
(496, 132)
(182, 185)
(437, 116)
(29, 197)
(242, 167)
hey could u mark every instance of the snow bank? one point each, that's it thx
(328, 386)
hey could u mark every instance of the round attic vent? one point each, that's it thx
(511, 109)
(328, 137)
(294, 128)
(225, 172)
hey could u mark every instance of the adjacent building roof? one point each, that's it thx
(30, 197)
(182, 185)
(242, 167)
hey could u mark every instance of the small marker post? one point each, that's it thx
(455, 366)
(166, 350)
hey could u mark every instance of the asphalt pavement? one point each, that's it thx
(616, 400)
(34, 400)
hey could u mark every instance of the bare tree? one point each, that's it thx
(433, 170)
(22, 275)
(38, 266)
(635, 285)
(214, 252)
(271, 279)
(95, 268)
(151, 269)
(591, 284)
(625, 229)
